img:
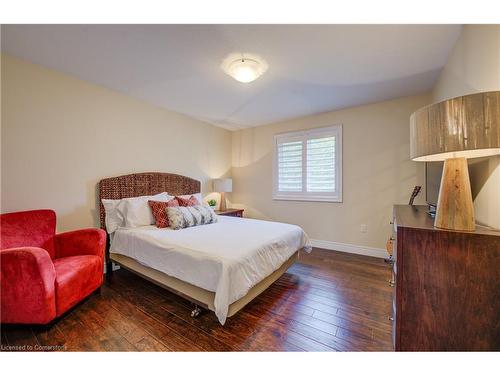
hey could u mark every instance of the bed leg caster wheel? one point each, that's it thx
(196, 311)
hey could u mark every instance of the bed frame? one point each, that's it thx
(137, 184)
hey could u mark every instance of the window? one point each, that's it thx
(308, 165)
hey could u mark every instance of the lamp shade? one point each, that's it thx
(223, 185)
(467, 126)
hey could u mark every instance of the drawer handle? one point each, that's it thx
(391, 283)
(391, 318)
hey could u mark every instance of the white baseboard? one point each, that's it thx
(349, 248)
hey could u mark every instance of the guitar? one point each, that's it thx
(414, 194)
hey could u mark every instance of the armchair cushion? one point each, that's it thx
(29, 228)
(27, 279)
(81, 242)
(76, 278)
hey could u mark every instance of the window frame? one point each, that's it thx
(304, 135)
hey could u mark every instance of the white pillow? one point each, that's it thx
(137, 213)
(115, 217)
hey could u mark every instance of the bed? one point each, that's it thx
(220, 267)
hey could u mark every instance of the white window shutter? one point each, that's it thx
(321, 164)
(290, 166)
(308, 165)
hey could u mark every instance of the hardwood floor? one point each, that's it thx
(329, 301)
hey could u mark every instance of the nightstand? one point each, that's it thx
(238, 212)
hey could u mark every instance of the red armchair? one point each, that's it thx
(43, 274)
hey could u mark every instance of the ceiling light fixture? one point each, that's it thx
(244, 67)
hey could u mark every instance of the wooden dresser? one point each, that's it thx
(447, 285)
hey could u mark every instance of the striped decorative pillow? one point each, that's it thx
(189, 216)
(159, 210)
(191, 201)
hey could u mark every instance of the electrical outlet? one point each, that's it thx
(363, 228)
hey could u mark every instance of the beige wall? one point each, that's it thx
(61, 135)
(474, 66)
(377, 172)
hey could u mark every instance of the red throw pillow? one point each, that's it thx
(192, 201)
(159, 210)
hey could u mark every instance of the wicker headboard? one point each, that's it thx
(150, 183)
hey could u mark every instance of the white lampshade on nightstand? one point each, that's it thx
(222, 186)
(455, 130)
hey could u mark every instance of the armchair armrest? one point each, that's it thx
(90, 241)
(27, 277)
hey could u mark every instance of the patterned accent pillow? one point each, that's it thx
(159, 210)
(192, 201)
(189, 216)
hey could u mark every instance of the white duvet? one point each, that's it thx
(228, 257)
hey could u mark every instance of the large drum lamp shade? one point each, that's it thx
(454, 130)
(467, 126)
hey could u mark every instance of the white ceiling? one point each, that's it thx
(312, 68)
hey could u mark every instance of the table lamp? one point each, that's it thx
(222, 186)
(454, 130)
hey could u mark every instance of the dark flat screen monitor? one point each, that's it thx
(433, 172)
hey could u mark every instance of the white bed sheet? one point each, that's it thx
(228, 257)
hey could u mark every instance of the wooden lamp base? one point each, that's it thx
(455, 210)
(222, 206)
